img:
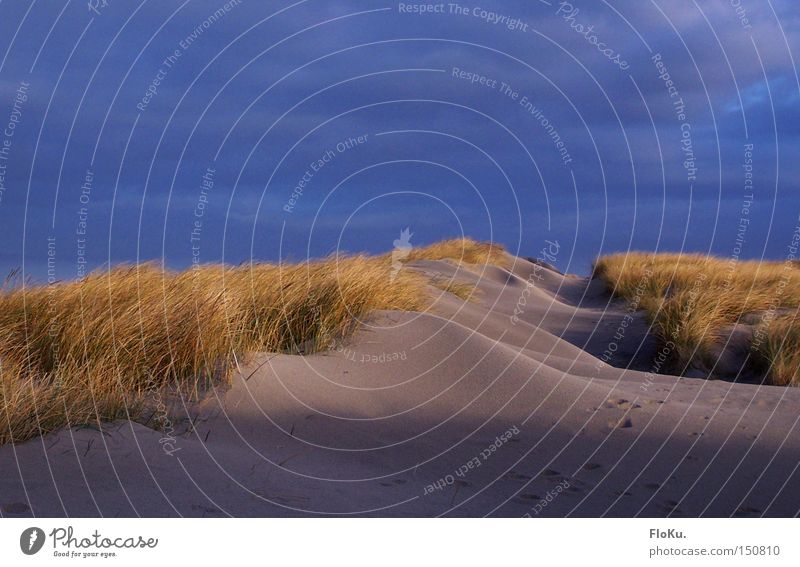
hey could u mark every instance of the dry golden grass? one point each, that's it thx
(98, 348)
(465, 291)
(778, 345)
(462, 250)
(693, 300)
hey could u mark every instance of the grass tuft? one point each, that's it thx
(462, 250)
(694, 300)
(100, 348)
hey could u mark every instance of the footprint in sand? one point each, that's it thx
(671, 506)
(208, 510)
(14, 508)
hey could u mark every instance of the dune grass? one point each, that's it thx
(464, 291)
(693, 301)
(97, 349)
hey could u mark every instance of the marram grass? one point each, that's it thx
(693, 301)
(98, 348)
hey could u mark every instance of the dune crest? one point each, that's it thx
(451, 411)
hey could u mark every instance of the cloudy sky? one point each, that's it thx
(205, 131)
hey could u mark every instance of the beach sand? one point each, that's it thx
(467, 410)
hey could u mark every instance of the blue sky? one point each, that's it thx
(515, 121)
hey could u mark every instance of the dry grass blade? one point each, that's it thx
(694, 300)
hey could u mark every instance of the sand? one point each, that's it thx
(494, 407)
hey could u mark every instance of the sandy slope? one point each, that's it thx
(460, 412)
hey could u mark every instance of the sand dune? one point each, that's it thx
(498, 406)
